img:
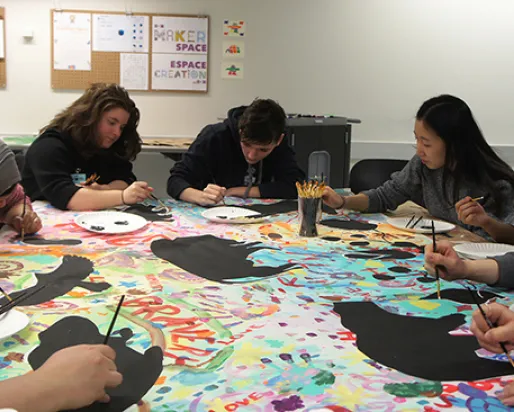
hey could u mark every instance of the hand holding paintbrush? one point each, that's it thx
(436, 267)
(24, 220)
(91, 179)
(493, 326)
(471, 212)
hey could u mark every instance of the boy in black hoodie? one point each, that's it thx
(244, 156)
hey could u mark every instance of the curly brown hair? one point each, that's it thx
(81, 118)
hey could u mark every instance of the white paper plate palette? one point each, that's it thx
(233, 215)
(470, 250)
(12, 322)
(111, 222)
(423, 226)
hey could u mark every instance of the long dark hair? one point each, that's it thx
(81, 118)
(468, 156)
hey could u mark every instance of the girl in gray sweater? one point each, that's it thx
(453, 164)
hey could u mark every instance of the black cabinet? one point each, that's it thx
(307, 134)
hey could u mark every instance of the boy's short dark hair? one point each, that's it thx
(263, 122)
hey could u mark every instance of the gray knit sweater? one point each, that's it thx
(506, 271)
(424, 186)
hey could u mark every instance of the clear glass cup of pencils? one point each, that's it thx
(309, 206)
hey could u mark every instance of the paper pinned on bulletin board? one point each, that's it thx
(234, 28)
(120, 33)
(233, 49)
(232, 70)
(179, 72)
(134, 71)
(180, 35)
(72, 41)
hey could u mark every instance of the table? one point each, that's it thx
(173, 147)
(271, 344)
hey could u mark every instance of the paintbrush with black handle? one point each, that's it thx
(436, 268)
(19, 299)
(113, 321)
(490, 324)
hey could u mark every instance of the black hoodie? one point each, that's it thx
(216, 157)
(53, 158)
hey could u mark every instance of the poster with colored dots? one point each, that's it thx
(120, 33)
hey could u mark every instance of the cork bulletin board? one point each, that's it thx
(169, 53)
(3, 77)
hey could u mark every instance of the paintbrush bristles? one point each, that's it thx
(6, 295)
(312, 189)
(91, 179)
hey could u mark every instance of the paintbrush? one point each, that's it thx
(410, 221)
(436, 268)
(416, 222)
(475, 199)
(490, 324)
(113, 321)
(5, 294)
(158, 200)
(91, 179)
(23, 218)
(214, 181)
(19, 299)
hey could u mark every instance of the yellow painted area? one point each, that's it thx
(217, 405)
(349, 398)
(425, 304)
(365, 284)
(374, 264)
(76, 294)
(248, 354)
(184, 392)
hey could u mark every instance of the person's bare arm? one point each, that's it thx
(240, 192)
(211, 195)
(91, 199)
(71, 378)
(358, 202)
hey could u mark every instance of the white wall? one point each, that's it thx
(376, 60)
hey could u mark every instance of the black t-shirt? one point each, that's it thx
(53, 158)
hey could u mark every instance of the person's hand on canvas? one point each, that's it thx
(332, 199)
(81, 374)
(30, 222)
(136, 192)
(471, 212)
(71, 378)
(211, 195)
(488, 338)
(450, 265)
